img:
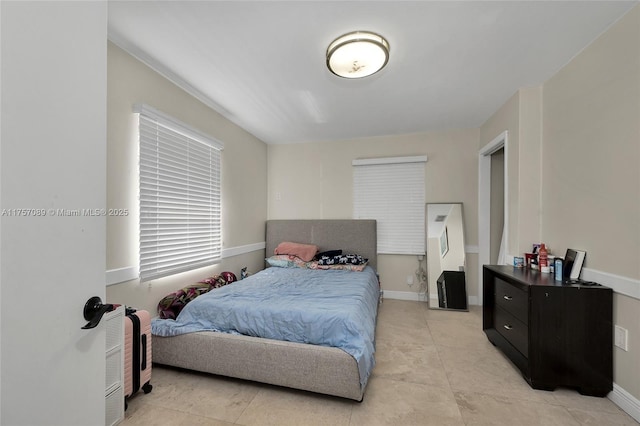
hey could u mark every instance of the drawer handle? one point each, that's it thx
(507, 327)
(505, 297)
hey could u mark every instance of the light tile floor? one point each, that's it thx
(432, 368)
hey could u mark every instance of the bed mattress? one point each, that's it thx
(318, 307)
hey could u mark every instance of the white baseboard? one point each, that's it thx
(629, 287)
(627, 402)
(402, 295)
(419, 297)
(471, 300)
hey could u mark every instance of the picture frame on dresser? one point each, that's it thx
(572, 266)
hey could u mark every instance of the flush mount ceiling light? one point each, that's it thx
(357, 54)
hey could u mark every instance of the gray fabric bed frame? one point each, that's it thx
(352, 236)
(312, 368)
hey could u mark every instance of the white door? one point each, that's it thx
(52, 172)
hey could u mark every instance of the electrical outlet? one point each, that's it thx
(621, 337)
(409, 280)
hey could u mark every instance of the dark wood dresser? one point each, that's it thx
(556, 334)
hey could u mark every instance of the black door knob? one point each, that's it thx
(93, 311)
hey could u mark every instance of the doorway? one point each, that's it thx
(489, 227)
(497, 206)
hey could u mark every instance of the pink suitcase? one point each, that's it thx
(137, 352)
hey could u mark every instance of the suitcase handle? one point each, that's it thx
(143, 341)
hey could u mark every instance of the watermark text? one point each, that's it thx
(63, 212)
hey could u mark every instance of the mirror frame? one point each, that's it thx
(440, 252)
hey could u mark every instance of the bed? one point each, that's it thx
(311, 367)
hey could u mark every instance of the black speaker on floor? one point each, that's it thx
(452, 290)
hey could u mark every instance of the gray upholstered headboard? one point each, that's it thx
(351, 236)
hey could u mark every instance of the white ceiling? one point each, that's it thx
(262, 64)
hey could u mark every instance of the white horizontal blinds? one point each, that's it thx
(391, 190)
(180, 193)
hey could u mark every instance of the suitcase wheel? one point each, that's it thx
(146, 388)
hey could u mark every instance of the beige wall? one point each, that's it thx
(591, 170)
(521, 117)
(591, 150)
(244, 177)
(507, 118)
(573, 178)
(314, 181)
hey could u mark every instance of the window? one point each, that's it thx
(180, 192)
(391, 190)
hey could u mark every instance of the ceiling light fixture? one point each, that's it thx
(357, 54)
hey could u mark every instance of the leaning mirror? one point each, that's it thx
(446, 284)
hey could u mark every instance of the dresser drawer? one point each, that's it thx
(513, 330)
(512, 300)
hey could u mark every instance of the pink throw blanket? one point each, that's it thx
(305, 252)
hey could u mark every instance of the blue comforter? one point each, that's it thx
(320, 307)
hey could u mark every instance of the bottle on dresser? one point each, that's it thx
(543, 258)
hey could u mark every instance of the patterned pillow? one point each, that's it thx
(343, 259)
(286, 261)
(354, 268)
(279, 263)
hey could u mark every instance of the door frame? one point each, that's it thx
(484, 203)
